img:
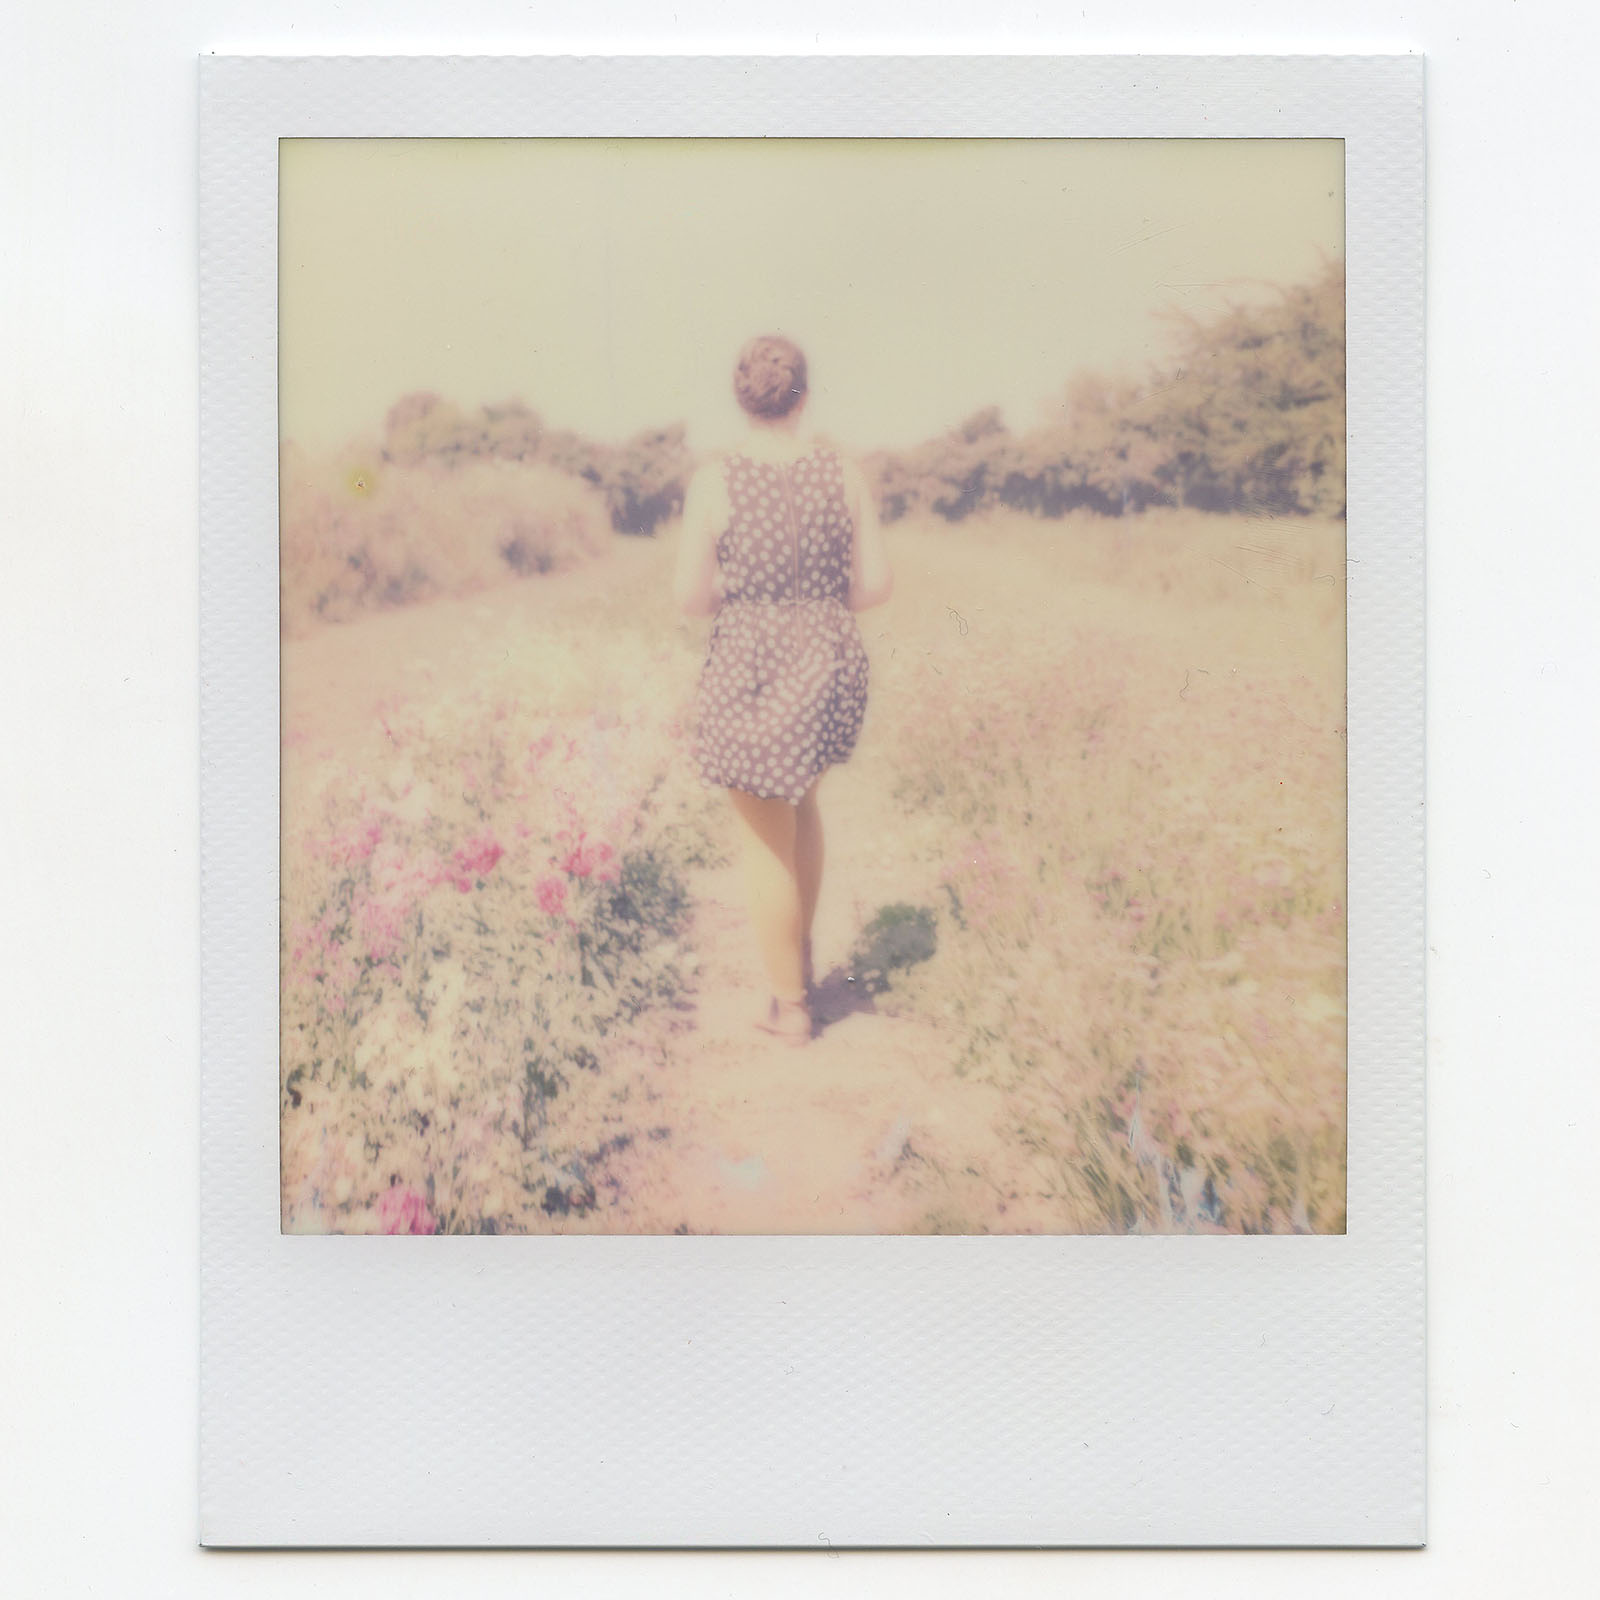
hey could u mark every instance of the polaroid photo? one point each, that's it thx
(812, 801)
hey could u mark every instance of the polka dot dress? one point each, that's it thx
(784, 687)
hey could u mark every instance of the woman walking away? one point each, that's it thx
(780, 544)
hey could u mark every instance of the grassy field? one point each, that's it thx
(1123, 745)
(1102, 777)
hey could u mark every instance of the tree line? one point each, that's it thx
(642, 480)
(1247, 415)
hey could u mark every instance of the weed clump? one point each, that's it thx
(898, 937)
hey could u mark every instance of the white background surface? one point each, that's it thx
(98, 834)
(848, 1392)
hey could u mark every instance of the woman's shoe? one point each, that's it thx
(788, 1020)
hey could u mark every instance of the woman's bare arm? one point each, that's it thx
(871, 581)
(695, 584)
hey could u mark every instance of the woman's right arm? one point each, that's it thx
(695, 585)
(871, 581)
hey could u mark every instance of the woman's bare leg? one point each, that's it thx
(767, 845)
(808, 857)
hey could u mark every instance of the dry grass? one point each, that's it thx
(1123, 745)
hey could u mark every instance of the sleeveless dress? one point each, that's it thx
(784, 686)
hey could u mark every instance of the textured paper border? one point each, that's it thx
(810, 1391)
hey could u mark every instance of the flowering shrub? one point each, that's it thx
(481, 908)
(402, 1210)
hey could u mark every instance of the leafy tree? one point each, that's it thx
(1249, 415)
(511, 431)
(646, 479)
(1257, 404)
(422, 425)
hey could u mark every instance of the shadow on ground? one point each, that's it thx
(838, 996)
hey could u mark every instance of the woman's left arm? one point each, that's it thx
(695, 585)
(871, 581)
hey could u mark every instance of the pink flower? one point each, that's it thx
(408, 879)
(357, 845)
(479, 853)
(583, 859)
(474, 859)
(552, 895)
(381, 924)
(401, 1209)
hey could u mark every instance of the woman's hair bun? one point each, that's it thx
(769, 379)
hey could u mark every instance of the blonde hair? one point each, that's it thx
(769, 378)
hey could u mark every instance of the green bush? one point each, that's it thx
(623, 918)
(642, 480)
(898, 937)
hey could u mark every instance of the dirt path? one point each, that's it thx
(859, 1131)
(864, 1130)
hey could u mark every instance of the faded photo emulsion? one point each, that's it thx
(813, 686)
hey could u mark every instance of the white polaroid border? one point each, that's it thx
(806, 1391)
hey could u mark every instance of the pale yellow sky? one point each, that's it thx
(609, 283)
